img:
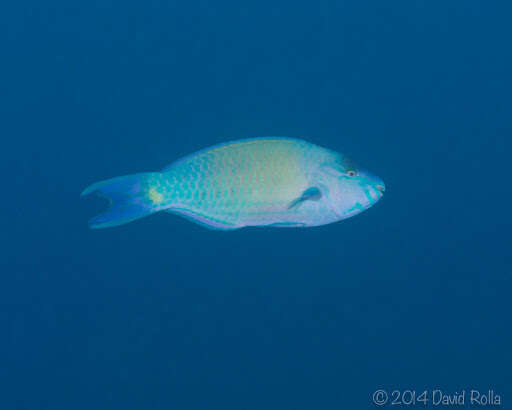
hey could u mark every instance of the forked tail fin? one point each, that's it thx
(131, 197)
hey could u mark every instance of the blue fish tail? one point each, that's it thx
(131, 197)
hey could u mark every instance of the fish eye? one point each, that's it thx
(351, 173)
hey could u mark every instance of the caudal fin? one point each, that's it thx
(131, 197)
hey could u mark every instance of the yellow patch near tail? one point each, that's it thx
(155, 196)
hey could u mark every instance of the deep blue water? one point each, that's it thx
(164, 314)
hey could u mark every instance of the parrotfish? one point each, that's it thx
(278, 182)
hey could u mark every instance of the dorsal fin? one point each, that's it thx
(311, 194)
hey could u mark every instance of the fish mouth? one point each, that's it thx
(381, 188)
(373, 194)
(373, 181)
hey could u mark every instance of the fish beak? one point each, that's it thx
(381, 188)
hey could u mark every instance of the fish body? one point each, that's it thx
(283, 182)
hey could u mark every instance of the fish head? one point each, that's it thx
(350, 189)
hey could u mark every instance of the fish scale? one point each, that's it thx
(235, 170)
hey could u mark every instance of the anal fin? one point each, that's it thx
(203, 220)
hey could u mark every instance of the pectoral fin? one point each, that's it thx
(310, 194)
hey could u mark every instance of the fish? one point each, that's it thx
(265, 181)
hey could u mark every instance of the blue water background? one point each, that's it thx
(164, 314)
